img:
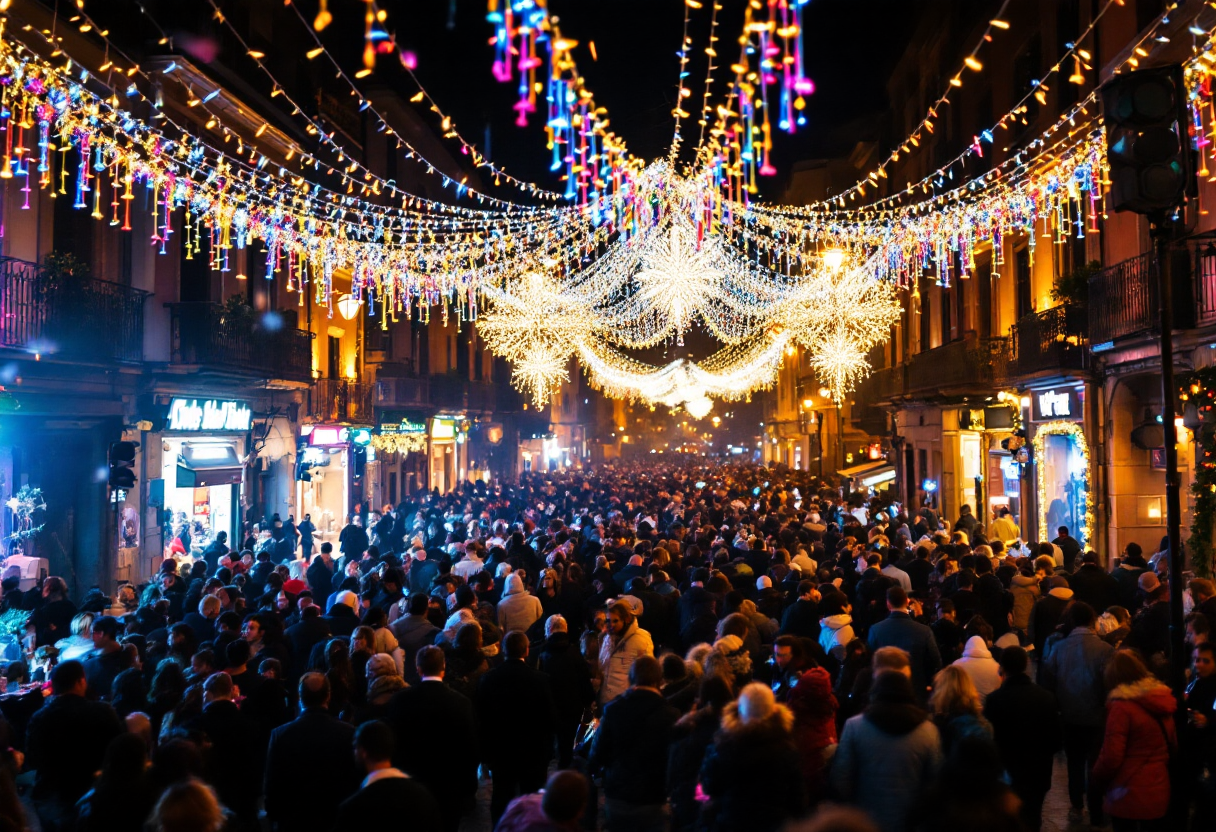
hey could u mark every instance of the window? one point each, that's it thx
(1021, 267)
(335, 358)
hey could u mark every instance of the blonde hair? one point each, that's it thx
(82, 625)
(954, 693)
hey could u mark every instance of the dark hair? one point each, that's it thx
(897, 598)
(66, 676)
(515, 644)
(375, 739)
(1206, 647)
(714, 692)
(418, 603)
(327, 547)
(1199, 623)
(792, 642)
(1014, 661)
(565, 796)
(1079, 614)
(805, 587)
(107, 626)
(228, 620)
(646, 672)
(237, 652)
(430, 661)
(1124, 668)
(314, 690)
(674, 668)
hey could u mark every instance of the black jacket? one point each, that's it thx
(996, 602)
(1095, 586)
(631, 747)
(202, 627)
(301, 793)
(233, 761)
(690, 738)
(569, 676)
(916, 639)
(342, 620)
(753, 776)
(516, 715)
(301, 638)
(801, 619)
(319, 575)
(441, 752)
(391, 803)
(66, 742)
(1026, 727)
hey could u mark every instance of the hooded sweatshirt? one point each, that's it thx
(978, 663)
(518, 610)
(835, 633)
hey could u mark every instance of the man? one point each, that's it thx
(52, 619)
(1003, 527)
(107, 660)
(1070, 548)
(791, 662)
(895, 573)
(441, 751)
(1131, 566)
(570, 681)
(422, 571)
(1200, 749)
(624, 642)
(233, 762)
(202, 621)
(343, 617)
(900, 630)
(352, 540)
(389, 798)
(802, 617)
(1093, 584)
(303, 636)
(390, 592)
(306, 530)
(631, 748)
(995, 601)
(300, 794)
(65, 744)
(518, 724)
(215, 550)
(1026, 729)
(920, 569)
(558, 808)
(1150, 632)
(414, 631)
(321, 572)
(1048, 612)
(1073, 671)
(518, 609)
(966, 522)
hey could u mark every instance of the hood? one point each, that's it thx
(1061, 592)
(1025, 580)
(892, 707)
(515, 585)
(836, 622)
(977, 648)
(1149, 694)
(781, 720)
(818, 681)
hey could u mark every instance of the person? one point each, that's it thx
(1150, 633)
(691, 737)
(978, 663)
(202, 621)
(957, 708)
(233, 762)
(1131, 566)
(966, 522)
(306, 530)
(108, 658)
(413, 631)
(891, 749)
(1073, 671)
(752, 773)
(422, 571)
(302, 637)
(388, 794)
(321, 572)
(1026, 728)
(1093, 584)
(291, 764)
(1003, 527)
(1070, 548)
(79, 644)
(441, 751)
(570, 682)
(900, 630)
(630, 747)
(123, 795)
(623, 644)
(1133, 767)
(1200, 750)
(518, 609)
(353, 540)
(557, 808)
(187, 806)
(67, 721)
(52, 620)
(518, 723)
(801, 618)
(215, 550)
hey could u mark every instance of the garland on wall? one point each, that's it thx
(1076, 432)
(1197, 393)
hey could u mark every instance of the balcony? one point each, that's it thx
(1123, 300)
(208, 336)
(1050, 341)
(93, 320)
(340, 400)
(405, 391)
(884, 385)
(970, 365)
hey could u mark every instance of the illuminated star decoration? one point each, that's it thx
(677, 280)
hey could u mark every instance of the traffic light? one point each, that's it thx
(122, 465)
(1147, 145)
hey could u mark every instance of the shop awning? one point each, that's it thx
(871, 474)
(203, 464)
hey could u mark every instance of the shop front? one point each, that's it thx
(325, 468)
(400, 444)
(203, 448)
(447, 444)
(1060, 456)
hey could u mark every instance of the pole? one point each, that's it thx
(1162, 231)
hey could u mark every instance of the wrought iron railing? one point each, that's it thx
(1053, 339)
(1123, 300)
(206, 334)
(342, 400)
(53, 314)
(969, 363)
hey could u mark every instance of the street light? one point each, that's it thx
(807, 404)
(833, 258)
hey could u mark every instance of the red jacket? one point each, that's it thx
(1133, 767)
(814, 709)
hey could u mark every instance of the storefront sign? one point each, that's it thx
(325, 435)
(443, 429)
(400, 424)
(1049, 405)
(209, 414)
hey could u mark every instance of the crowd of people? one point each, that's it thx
(720, 648)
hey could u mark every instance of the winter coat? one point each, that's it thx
(835, 633)
(1046, 615)
(814, 708)
(569, 676)
(1128, 578)
(984, 671)
(1025, 589)
(1095, 586)
(631, 747)
(1073, 672)
(902, 631)
(1133, 766)
(518, 610)
(1026, 726)
(691, 738)
(616, 657)
(751, 774)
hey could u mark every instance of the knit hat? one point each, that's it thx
(349, 598)
(381, 664)
(1149, 583)
(294, 587)
(382, 685)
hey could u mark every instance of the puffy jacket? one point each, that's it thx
(518, 610)
(1025, 589)
(835, 633)
(814, 708)
(978, 663)
(631, 747)
(616, 657)
(1133, 766)
(1072, 670)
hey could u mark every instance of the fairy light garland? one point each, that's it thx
(1075, 432)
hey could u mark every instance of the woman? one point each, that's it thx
(690, 739)
(340, 675)
(752, 773)
(466, 662)
(362, 648)
(127, 692)
(126, 601)
(956, 707)
(79, 644)
(168, 685)
(1133, 766)
(188, 806)
(122, 797)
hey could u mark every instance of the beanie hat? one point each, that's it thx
(348, 598)
(381, 664)
(1149, 583)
